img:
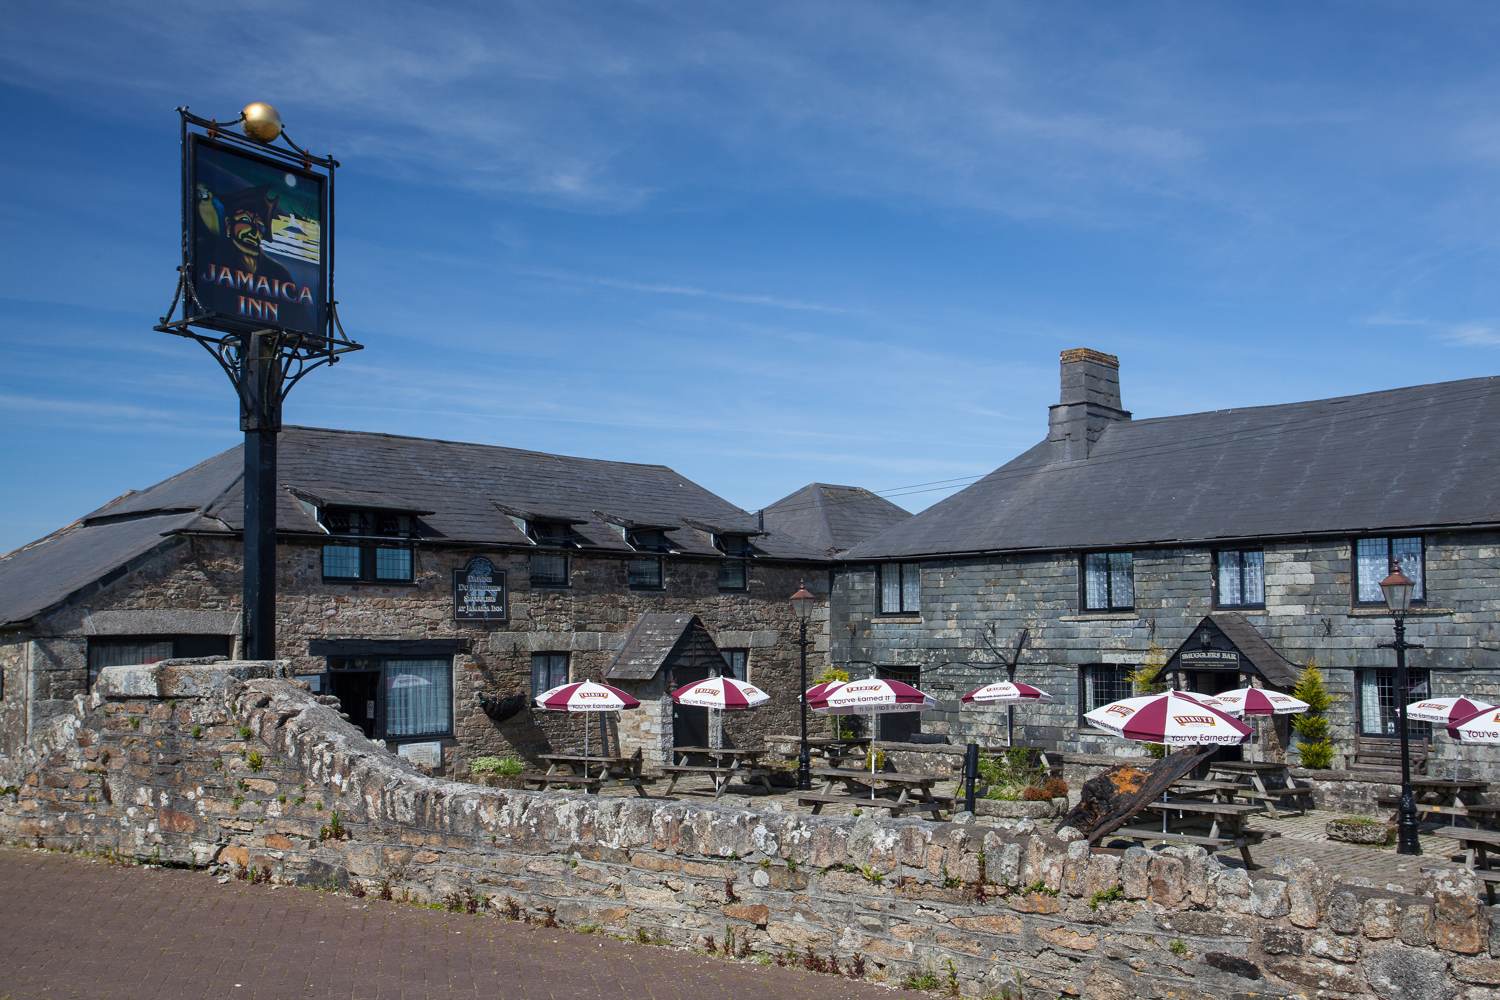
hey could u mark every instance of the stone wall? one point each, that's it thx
(214, 765)
(200, 577)
(1308, 617)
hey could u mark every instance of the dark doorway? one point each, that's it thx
(899, 727)
(357, 692)
(689, 725)
(1217, 682)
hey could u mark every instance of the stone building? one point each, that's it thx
(1228, 545)
(433, 586)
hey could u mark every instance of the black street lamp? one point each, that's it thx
(1397, 589)
(802, 603)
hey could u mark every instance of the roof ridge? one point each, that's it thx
(478, 444)
(1348, 397)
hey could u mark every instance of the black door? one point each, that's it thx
(357, 691)
(689, 725)
(899, 727)
(1217, 682)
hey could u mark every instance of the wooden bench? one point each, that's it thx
(546, 780)
(1475, 810)
(1477, 845)
(1384, 754)
(820, 799)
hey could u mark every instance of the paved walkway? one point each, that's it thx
(72, 928)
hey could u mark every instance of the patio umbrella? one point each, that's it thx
(873, 696)
(585, 696)
(1482, 727)
(1446, 711)
(1009, 694)
(1174, 719)
(718, 694)
(1259, 701)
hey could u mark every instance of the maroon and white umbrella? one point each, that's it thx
(1005, 693)
(872, 696)
(1446, 711)
(1259, 701)
(817, 691)
(585, 696)
(1173, 719)
(1482, 727)
(720, 694)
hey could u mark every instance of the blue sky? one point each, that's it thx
(762, 243)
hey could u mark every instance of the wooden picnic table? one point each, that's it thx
(1226, 825)
(836, 749)
(1476, 846)
(723, 765)
(911, 791)
(1453, 797)
(1264, 781)
(588, 772)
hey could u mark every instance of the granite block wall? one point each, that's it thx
(194, 587)
(221, 766)
(1309, 615)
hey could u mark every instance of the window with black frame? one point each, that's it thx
(1377, 699)
(1240, 578)
(737, 664)
(734, 571)
(1099, 684)
(1108, 581)
(118, 651)
(900, 586)
(1374, 558)
(551, 565)
(645, 571)
(367, 545)
(398, 699)
(548, 670)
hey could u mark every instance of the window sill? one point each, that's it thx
(1244, 609)
(898, 618)
(1101, 616)
(359, 582)
(1382, 612)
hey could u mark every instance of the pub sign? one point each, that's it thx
(257, 241)
(479, 592)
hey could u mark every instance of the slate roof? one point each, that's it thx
(1414, 458)
(467, 488)
(1274, 667)
(49, 571)
(649, 645)
(833, 518)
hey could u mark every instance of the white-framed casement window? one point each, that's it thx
(1102, 683)
(1239, 578)
(1374, 558)
(548, 670)
(1108, 581)
(900, 588)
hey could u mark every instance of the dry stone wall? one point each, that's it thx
(224, 765)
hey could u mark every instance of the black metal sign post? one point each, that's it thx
(255, 289)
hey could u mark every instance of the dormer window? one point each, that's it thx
(644, 572)
(734, 571)
(558, 533)
(371, 546)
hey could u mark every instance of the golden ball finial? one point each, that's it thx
(262, 122)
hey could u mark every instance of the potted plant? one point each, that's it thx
(497, 772)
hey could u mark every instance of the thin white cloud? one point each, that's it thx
(1472, 333)
(687, 291)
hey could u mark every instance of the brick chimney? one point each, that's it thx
(1089, 403)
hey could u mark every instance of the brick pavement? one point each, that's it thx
(86, 930)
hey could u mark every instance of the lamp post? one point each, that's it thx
(1398, 589)
(802, 602)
